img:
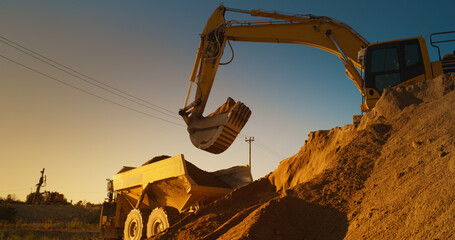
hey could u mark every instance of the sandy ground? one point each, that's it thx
(390, 177)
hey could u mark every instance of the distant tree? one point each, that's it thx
(10, 198)
(65, 201)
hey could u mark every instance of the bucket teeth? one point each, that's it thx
(237, 120)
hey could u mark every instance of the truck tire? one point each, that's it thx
(161, 219)
(134, 226)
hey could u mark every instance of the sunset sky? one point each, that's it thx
(82, 134)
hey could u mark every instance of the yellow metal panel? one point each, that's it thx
(414, 80)
(301, 33)
(436, 68)
(371, 97)
(198, 194)
(166, 183)
(190, 201)
(208, 64)
(426, 59)
(141, 176)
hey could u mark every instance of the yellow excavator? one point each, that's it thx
(383, 65)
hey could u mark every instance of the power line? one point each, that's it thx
(89, 93)
(269, 150)
(260, 143)
(75, 74)
(106, 87)
(264, 147)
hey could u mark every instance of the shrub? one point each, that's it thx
(30, 196)
(7, 213)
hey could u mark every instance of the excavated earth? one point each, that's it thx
(390, 177)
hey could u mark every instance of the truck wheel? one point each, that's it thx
(161, 219)
(134, 226)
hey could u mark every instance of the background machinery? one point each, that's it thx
(45, 197)
(372, 67)
(42, 180)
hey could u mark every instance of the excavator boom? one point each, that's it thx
(216, 132)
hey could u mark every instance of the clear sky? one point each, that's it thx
(147, 49)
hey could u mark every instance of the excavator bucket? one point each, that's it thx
(216, 132)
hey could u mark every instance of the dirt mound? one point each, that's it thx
(204, 178)
(391, 177)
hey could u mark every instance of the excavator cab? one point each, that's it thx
(216, 132)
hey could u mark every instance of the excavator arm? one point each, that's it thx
(216, 132)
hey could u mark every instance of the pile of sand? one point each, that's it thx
(391, 177)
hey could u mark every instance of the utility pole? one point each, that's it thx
(249, 140)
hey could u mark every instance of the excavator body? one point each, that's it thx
(371, 67)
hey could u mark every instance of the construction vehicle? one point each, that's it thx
(147, 200)
(383, 65)
(42, 180)
(53, 198)
(46, 197)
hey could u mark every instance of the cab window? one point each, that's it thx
(392, 63)
(412, 54)
(385, 64)
(385, 60)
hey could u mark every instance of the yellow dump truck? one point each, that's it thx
(146, 200)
